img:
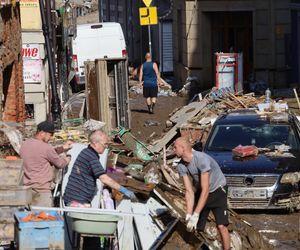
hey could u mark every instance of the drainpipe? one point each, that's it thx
(55, 102)
(100, 10)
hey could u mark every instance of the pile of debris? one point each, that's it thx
(149, 171)
(165, 89)
(10, 139)
(160, 191)
(195, 120)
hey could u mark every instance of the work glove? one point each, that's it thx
(192, 222)
(128, 193)
(187, 217)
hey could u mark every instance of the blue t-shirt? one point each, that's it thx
(201, 163)
(149, 75)
(86, 170)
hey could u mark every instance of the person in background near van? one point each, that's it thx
(39, 162)
(209, 183)
(150, 79)
(81, 186)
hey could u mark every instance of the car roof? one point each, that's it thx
(243, 116)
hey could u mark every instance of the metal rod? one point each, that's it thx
(149, 36)
(100, 10)
(55, 102)
(86, 210)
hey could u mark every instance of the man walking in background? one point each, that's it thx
(150, 79)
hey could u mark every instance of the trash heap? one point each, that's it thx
(155, 180)
(150, 171)
(195, 120)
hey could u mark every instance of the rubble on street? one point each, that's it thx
(150, 172)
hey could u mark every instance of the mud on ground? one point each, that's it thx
(281, 229)
(139, 115)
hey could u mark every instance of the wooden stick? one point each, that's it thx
(295, 92)
(238, 100)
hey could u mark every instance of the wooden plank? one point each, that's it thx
(91, 91)
(160, 194)
(146, 228)
(171, 133)
(238, 100)
(297, 98)
(103, 93)
(164, 171)
(168, 136)
(182, 112)
(125, 226)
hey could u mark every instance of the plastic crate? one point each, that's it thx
(15, 196)
(39, 234)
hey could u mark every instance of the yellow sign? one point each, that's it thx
(148, 16)
(30, 15)
(147, 2)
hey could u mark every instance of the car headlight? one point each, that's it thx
(290, 178)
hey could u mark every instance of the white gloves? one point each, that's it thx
(187, 217)
(192, 222)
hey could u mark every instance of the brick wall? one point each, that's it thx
(12, 103)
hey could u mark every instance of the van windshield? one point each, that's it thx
(227, 137)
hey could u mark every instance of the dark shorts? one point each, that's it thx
(150, 91)
(217, 203)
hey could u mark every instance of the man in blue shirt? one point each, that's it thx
(150, 79)
(87, 168)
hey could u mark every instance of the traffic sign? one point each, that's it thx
(147, 2)
(148, 16)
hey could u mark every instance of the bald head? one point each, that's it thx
(98, 136)
(183, 142)
(148, 56)
(183, 148)
(99, 141)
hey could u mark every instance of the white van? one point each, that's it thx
(94, 41)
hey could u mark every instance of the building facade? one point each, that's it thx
(11, 81)
(126, 12)
(266, 32)
(35, 63)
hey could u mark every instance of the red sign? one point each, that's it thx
(30, 51)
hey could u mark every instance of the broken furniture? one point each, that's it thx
(107, 92)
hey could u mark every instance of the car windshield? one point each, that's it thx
(227, 137)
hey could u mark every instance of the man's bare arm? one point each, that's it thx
(204, 192)
(157, 73)
(141, 75)
(113, 184)
(189, 194)
(109, 181)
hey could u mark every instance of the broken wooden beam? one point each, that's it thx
(191, 110)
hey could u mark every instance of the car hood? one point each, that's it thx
(260, 164)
